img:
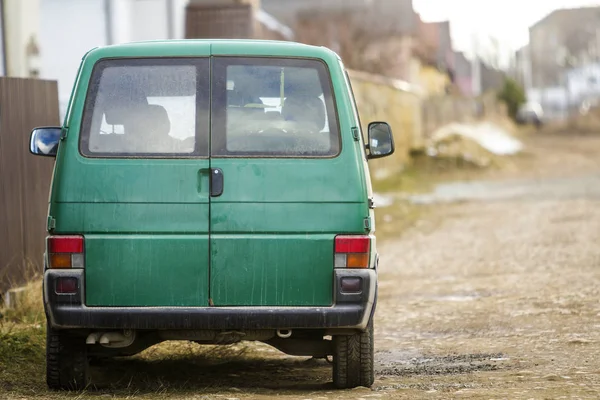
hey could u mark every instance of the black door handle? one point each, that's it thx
(216, 182)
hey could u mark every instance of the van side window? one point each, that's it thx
(268, 107)
(147, 108)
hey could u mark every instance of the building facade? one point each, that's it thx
(20, 38)
(564, 39)
(70, 28)
(583, 83)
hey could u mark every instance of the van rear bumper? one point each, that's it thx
(349, 311)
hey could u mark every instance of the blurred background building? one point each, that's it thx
(560, 65)
(47, 38)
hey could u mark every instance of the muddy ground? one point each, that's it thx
(496, 293)
(493, 293)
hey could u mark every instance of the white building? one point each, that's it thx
(583, 83)
(70, 28)
(2, 42)
(19, 34)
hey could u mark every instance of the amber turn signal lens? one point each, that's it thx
(357, 260)
(60, 260)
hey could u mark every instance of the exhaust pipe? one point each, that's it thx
(284, 333)
(112, 339)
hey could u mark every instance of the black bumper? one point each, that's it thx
(350, 311)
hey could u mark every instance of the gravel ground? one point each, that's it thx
(496, 294)
(492, 294)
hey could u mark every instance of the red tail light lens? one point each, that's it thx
(65, 252)
(352, 244)
(352, 251)
(65, 244)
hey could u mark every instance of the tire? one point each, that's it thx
(66, 361)
(353, 360)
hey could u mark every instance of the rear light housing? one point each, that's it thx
(350, 284)
(67, 285)
(65, 252)
(352, 251)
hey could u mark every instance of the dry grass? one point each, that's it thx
(29, 310)
(22, 343)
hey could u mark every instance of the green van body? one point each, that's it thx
(162, 251)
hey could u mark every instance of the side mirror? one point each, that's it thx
(381, 141)
(44, 141)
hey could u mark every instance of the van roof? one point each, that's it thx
(204, 47)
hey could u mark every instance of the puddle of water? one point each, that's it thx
(585, 186)
(463, 191)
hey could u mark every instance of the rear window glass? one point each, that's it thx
(147, 108)
(261, 107)
(273, 108)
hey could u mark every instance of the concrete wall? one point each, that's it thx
(443, 110)
(433, 81)
(413, 116)
(383, 99)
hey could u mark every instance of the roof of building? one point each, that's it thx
(580, 11)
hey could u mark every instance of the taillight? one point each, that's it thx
(352, 251)
(65, 252)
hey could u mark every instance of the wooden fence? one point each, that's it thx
(24, 178)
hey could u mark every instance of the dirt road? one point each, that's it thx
(507, 291)
(498, 296)
(493, 294)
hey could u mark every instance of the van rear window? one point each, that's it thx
(147, 108)
(261, 107)
(269, 107)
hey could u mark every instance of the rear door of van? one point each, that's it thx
(288, 176)
(137, 186)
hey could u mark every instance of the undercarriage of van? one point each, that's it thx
(316, 343)
(342, 332)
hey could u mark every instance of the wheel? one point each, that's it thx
(353, 359)
(66, 361)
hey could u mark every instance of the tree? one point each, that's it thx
(513, 95)
(366, 42)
